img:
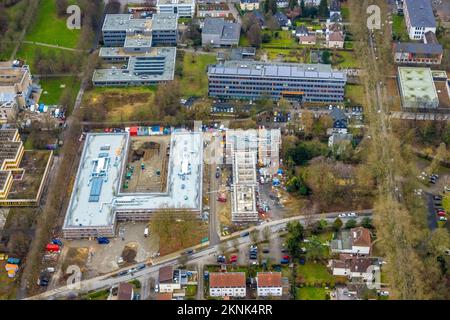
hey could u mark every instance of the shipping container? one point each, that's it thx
(13, 260)
(133, 131)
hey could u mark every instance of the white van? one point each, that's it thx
(146, 232)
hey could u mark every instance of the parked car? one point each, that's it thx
(140, 266)
(352, 214)
(439, 198)
(220, 259)
(102, 240)
(441, 213)
(189, 251)
(266, 250)
(384, 293)
(342, 215)
(442, 219)
(233, 259)
(245, 234)
(217, 172)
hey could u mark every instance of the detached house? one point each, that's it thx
(335, 39)
(269, 284)
(354, 267)
(227, 284)
(355, 241)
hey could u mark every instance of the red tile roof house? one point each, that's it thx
(335, 40)
(269, 284)
(125, 291)
(309, 39)
(227, 284)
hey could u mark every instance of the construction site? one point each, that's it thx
(147, 164)
(254, 156)
(96, 203)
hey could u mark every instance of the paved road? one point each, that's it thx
(213, 215)
(111, 279)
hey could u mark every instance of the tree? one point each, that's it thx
(367, 223)
(266, 233)
(295, 238)
(254, 236)
(303, 8)
(323, 9)
(316, 250)
(308, 122)
(271, 23)
(112, 7)
(270, 5)
(440, 156)
(254, 35)
(337, 224)
(326, 57)
(248, 20)
(61, 7)
(350, 224)
(292, 4)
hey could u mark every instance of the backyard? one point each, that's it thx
(399, 31)
(354, 94)
(314, 274)
(310, 293)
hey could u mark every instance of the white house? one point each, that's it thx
(269, 284)
(419, 18)
(354, 267)
(355, 241)
(227, 284)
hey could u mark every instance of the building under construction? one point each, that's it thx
(247, 151)
(97, 203)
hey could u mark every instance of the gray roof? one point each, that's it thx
(419, 48)
(288, 70)
(420, 13)
(218, 26)
(163, 21)
(126, 22)
(302, 29)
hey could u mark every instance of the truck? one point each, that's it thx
(52, 247)
(146, 232)
(102, 240)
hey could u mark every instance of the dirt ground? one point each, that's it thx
(394, 94)
(444, 99)
(104, 258)
(154, 159)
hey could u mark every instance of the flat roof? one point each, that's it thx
(417, 83)
(138, 40)
(167, 55)
(165, 21)
(9, 76)
(175, 2)
(126, 22)
(286, 70)
(95, 203)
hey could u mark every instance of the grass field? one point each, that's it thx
(284, 40)
(355, 94)
(310, 293)
(314, 272)
(49, 28)
(346, 59)
(194, 81)
(52, 88)
(287, 55)
(27, 52)
(399, 28)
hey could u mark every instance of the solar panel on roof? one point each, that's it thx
(284, 71)
(96, 189)
(325, 74)
(271, 70)
(243, 71)
(310, 74)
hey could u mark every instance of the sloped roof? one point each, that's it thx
(420, 48)
(361, 237)
(226, 279)
(269, 279)
(420, 13)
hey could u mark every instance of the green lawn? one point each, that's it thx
(446, 203)
(345, 13)
(243, 41)
(399, 28)
(346, 59)
(314, 272)
(52, 88)
(191, 290)
(288, 55)
(355, 94)
(194, 81)
(310, 293)
(284, 40)
(27, 52)
(325, 236)
(47, 27)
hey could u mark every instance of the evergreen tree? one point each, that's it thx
(323, 9)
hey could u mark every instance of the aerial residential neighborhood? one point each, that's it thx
(246, 150)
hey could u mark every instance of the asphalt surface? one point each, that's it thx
(112, 279)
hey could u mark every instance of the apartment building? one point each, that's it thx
(269, 284)
(11, 153)
(181, 8)
(15, 85)
(227, 284)
(419, 18)
(252, 80)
